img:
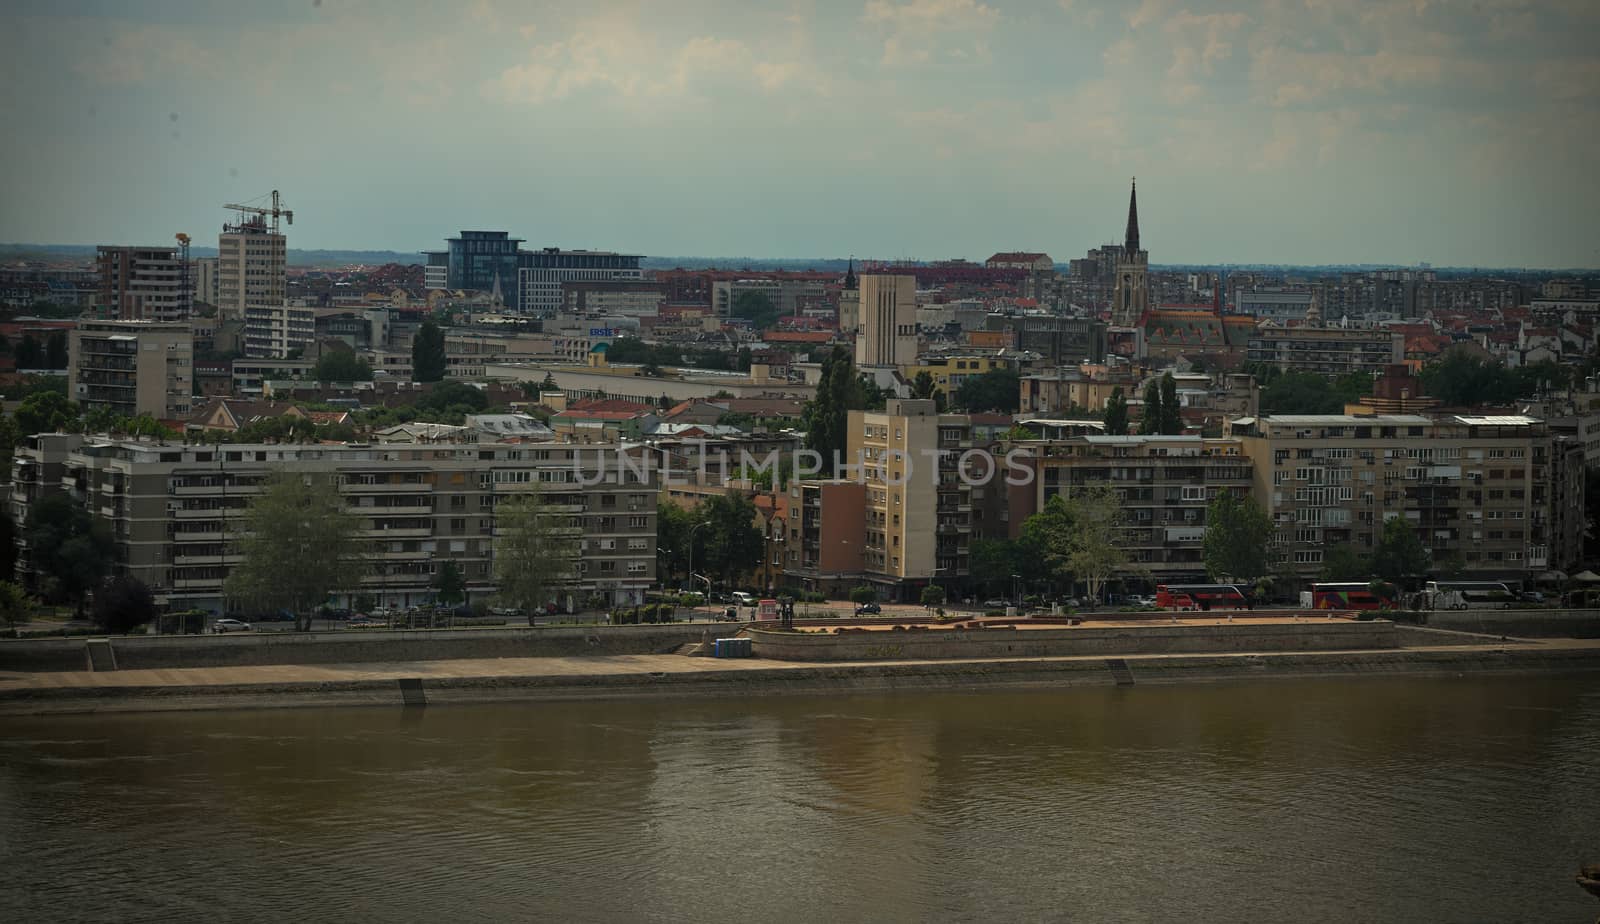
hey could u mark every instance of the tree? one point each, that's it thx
(932, 596)
(122, 604)
(428, 360)
(29, 354)
(827, 415)
(1094, 552)
(923, 386)
(995, 390)
(1116, 413)
(754, 306)
(1171, 416)
(450, 588)
(1237, 539)
(733, 542)
(1150, 415)
(451, 396)
(15, 607)
(69, 547)
(1400, 553)
(299, 543)
(55, 350)
(992, 562)
(342, 366)
(8, 539)
(1047, 535)
(863, 594)
(1344, 562)
(672, 538)
(45, 412)
(549, 383)
(535, 553)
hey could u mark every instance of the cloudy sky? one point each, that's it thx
(1308, 131)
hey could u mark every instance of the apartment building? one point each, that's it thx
(1326, 350)
(132, 367)
(141, 284)
(827, 535)
(174, 508)
(1164, 483)
(273, 330)
(251, 268)
(1477, 489)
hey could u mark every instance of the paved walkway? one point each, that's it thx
(594, 667)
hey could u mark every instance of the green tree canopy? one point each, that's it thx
(453, 395)
(428, 360)
(299, 543)
(1237, 539)
(863, 594)
(1150, 414)
(124, 603)
(1344, 562)
(1400, 554)
(45, 412)
(535, 552)
(995, 390)
(1171, 409)
(69, 547)
(756, 307)
(933, 595)
(15, 606)
(342, 366)
(1116, 413)
(733, 541)
(450, 587)
(1095, 552)
(827, 415)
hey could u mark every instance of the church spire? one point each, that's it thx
(1131, 246)
(850, 275)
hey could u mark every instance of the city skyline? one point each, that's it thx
(1400, 134)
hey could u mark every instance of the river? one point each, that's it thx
(1383, 799)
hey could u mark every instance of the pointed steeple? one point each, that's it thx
(1131, 246)
(850, 275)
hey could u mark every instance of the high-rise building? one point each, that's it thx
(140, 283)
(887, 335)
(132, 367)
(274, 331)
(1131, 296)
(204, 271)
(251, 268)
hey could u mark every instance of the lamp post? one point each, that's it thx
(691, 561)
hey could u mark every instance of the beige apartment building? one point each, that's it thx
(141, 284)
(251, 269)
(1326, 350)
(1479, 490)
(886, 321)
(1164, 484)
(132, 367)
(174, 508)
(274, 330)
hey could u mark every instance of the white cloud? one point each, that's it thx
(917, 31)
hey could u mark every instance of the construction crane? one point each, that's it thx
(259, 222)
(185, 283)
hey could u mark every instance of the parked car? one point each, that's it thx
(359, 621)
(868, 609)
(1533, 596)
(741, 598)
(996, 603)
(229, 625)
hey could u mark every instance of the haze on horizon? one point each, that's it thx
(1315, 132)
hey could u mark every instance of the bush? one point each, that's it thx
(995, 613)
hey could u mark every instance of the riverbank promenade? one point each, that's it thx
(441, 682)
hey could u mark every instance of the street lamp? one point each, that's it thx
(691, 562)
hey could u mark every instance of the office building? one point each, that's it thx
(273, 331)
(887, 333)
(528, 281)
(173, 509)
(140, 284)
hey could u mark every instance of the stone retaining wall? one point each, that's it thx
(1550, 623)
(878, 645)
(355, 646)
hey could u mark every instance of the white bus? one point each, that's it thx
(1463, 595)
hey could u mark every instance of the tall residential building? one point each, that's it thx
(1477, 489)
(205, 272)
(273, 331)
(1131, 296)
(251, 268)
(174, 508)
(132, 367)
(887, 335)
(140, 283)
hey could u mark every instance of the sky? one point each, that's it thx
(1277, 131)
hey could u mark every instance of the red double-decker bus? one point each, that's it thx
(1201, 597)
(1349, 596)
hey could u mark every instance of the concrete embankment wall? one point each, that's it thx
(350, 646)
(877, 645)
(1524, 623)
